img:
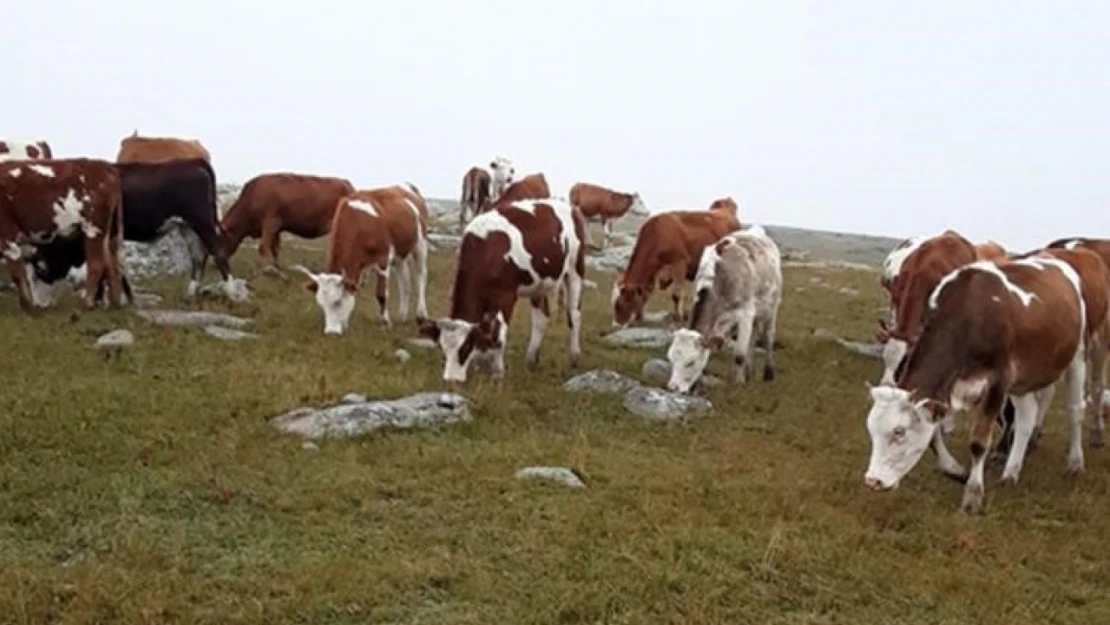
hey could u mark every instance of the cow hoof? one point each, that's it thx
(768, 374)
(1097, 439)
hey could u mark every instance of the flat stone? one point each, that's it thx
(657, 316)
(562, 475)
(661, 370)
(423, 410)
(588, 284)
(871, 350)
(402, 356)
(600, 381)
(192, 318)
(227, 334)
(354, 398)
(423, 343)
(656, 404)
(640, 337)
(115, 338)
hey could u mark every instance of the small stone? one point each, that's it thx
(227, 334)
(310, 446)
(192, 318)
(847, 291)
(423, 343)
(600, 381)
(353, 398)
(402, 356)
(658, 405)
(115, 339)
(640, 337)
(656, 316)
(563, 475)
(589, 284)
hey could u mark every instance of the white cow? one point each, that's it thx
(738, 287)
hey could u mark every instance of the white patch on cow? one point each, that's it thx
(966, 393)
(1026, 297)
(15, 173)
(12, 251)
(42, 170)
(43, 295)
(900, 432)
(67, 213)
(493, 221)
(1072, 276)
(363, 206)
(1074, 243)
(409, 187)
(688, 355)
(892, 265)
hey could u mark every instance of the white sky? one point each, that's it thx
(890, 117)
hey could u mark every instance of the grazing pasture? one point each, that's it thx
(151, 489)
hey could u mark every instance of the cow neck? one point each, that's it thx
(937, 359)
(640, 270)
(466, 298)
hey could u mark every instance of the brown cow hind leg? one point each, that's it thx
(382, 292)
(540, 314)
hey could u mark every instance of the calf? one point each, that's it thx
(159, 198)
(991, 331)
(270, 204)
(475, 194)
(528, 249)
(136, 149)
(605, 205)
(667, 250)
(380, 228)
(738, 285)
(25, 150)
(530, 187)
(51, 200)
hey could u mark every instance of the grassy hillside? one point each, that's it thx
(152, 489)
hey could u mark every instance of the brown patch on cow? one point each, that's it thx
(270, 204)
(33, 152)
(136, 149)
(920, 273)
(530, 187)
(990, 250)
(600, 203)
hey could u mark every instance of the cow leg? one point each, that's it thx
(678, 287)
(1076, 377)
(1096, 384)
(946, 462)
(96, 261)
(382, 292)
(267, 242)
(404, 280)
(769, 346)
(981, 433)
(18, 270)
(540, 313)
(572, 284)
(420, 257)
(1025, 419)
(742, 347)
(1044, 401)
(197, 255)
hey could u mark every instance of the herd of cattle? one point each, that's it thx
(970, 327)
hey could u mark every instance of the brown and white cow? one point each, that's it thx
(667, 251)
(25, 150)
(531, 187)
(136, 149)
(992, 330)
(269, 204)
(475, 194)
(502, 174)
(598, 203)
(521, 249)
(41, 201)
(383, 229)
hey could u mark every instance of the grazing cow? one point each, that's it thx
(667, 251)
(528, 248)
(158, 198)
(530, 187)
(738, 286)
(992, 330)
(48, 200)
(379, 228)
(136, 149)
(270, 204)
(25, 150)
(605, 205)
(503, 174)
(475, 194)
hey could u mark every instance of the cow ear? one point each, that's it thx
(311, 286)
(933, 410)
(429, 329)
(350, 284)
(493, 164)
(714, 342)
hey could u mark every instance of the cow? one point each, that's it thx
(531, 187)
(380, 228)
(136, 149)
(523, 249)
(25, 150)
(738, 286)
(991, 250)
(157, 199)
(992, 330)
(503, 173)
(475, 194)
(270, 204)
(667, 251)
(49, 200)
(605, 205)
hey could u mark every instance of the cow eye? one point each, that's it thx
(899, 433)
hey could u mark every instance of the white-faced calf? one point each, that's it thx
(522, 249)
(738, 287)
(380, 228)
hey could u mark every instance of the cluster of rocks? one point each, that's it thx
(648, 402)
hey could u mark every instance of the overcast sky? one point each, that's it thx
(885, 117)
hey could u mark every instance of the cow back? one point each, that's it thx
(136, 149)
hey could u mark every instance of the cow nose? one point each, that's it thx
(873, 483)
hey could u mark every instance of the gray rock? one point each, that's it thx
(423, 343)
(640, 337)
(239, 290)
(192, 318)
(354, 398)
(147, 299)
(168, 256)
(612, 259)
(310, 446)
(658, 405)
(562, 475)
(115, 339)
(600, 381)
(402, 356)
(227, 334)
(588, 284)
(657, 316)
(349, 420)
(871, 350)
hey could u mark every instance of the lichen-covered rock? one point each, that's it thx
(423, 343)
(192, 318)
(600, 381)
(640, 337)
(422, 410)
(227, 334)
(658, 405)
(562, 475)
(168, 256)
(115, 339)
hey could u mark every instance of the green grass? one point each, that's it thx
(152, 489)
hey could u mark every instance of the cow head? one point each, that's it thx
(688, 354)
(461, 341)
(335, 293)
(503, 175)
(901, 428)
(628, 303)
(638, 207)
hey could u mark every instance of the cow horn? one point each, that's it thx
(305, 271)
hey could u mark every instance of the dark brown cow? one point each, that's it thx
(270, 204)
(523, 249)
(43, 200)
(667, 251)
(475, 194)
(136, 149)
(992, 331)
(530, 187)
(25, 150)
(605, 205)
(379, 228)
